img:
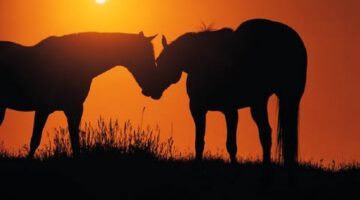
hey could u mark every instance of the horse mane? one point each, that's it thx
(201, 36)
(83, 35)
(205, 33)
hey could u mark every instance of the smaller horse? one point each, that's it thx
(56, 74)
(228, 70)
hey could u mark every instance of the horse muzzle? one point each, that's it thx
(153, 96)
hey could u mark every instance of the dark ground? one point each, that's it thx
(119, 161)
(142, 177)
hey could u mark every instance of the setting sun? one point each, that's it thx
(100, 1)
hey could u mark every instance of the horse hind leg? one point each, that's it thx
(260, 115)
(2, 114)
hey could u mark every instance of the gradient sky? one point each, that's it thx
(330, 110)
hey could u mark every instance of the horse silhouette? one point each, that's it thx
(228, 70)
(56, 74)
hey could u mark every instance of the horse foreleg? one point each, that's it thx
(73, 116)
(39, 123)
(260, 115)
(231, 117)
(2, 115)
(199, 116)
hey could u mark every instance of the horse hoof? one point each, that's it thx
(233, 160)
(30, 157)
(76, 154)
(198, 159)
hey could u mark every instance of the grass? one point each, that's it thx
(119, 161)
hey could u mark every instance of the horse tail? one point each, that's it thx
(288, 118)
(289, 93)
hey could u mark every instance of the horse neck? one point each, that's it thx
(122, 57)
(195, 52)
(100, 67)
(128, 57)
(183, 56)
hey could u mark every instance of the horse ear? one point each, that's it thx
(164, 42)
(152, 37)
(141, 34)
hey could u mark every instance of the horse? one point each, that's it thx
(56, 74)
(233, 69)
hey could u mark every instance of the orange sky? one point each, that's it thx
(330, 112)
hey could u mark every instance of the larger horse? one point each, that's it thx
(56, 74)
(228, 70)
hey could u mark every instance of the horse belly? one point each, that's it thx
(16, 101)
(224, 93)
(218, 102)
(39, 95)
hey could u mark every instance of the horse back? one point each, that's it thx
(271, 51)
(269, 40)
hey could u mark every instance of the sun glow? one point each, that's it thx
(100, 1)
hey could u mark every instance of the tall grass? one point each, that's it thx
(111, 138)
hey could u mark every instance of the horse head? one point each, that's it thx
(168, 70)
(143, 65)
